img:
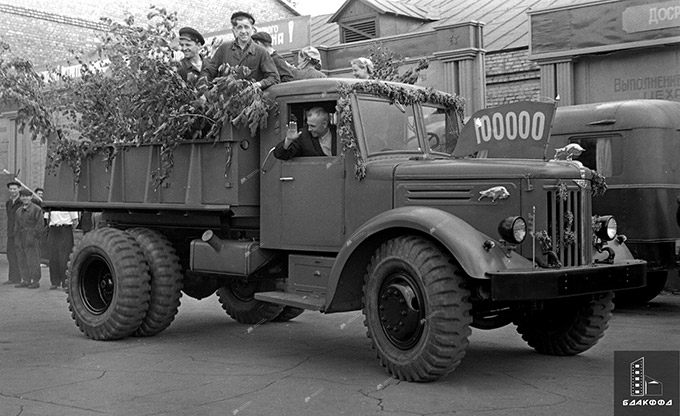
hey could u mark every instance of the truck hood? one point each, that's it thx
(490, 169)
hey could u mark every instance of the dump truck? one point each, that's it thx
(425, 244)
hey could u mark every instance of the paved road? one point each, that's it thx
(207, 364)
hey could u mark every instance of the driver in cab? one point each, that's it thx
(318, 139)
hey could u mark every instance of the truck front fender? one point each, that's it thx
(460, 239)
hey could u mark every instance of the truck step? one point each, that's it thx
(312, 302)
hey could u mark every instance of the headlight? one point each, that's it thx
(607, 229)
(513, 230)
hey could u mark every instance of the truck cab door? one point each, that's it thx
(312, 202)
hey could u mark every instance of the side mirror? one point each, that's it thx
(269, 162)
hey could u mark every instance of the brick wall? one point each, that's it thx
(43, 37)
(511, 77)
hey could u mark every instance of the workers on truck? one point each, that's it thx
(243, 52)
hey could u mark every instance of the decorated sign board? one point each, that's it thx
(520, 129)
(287, 34)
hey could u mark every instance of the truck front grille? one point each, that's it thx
(569, 225)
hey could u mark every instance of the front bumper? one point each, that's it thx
(535, 284)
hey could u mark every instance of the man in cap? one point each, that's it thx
(309, 64)
(190, 41)
(28, 228)
(11, 207)
(255, 63)
(284, 68)
(318, 138)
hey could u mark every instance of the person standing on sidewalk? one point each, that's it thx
(60, 241)
(28, 227)
(12, 205)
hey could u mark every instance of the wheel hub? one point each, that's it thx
(400, 313)
(97, 285)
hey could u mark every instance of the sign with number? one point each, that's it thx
(516, 125)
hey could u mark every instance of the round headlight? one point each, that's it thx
(513, 229)
(608, 228)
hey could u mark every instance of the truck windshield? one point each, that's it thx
(388, 127)
(442, 129)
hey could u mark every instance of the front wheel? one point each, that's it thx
(566, 326)
(417, 309)
(108, 285)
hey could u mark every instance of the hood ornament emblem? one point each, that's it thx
(497, 192)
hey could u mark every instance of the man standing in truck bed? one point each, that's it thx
(244, 52)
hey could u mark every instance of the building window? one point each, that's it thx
(358, 30)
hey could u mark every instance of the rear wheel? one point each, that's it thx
(108, 287)
(238, 300)
(566, 326)
(417, 309)
(166, 281)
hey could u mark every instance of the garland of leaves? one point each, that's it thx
(394, 93)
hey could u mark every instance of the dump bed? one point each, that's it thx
(208, 175)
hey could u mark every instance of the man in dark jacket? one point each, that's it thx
(243, 52)
(11, 206)
(318, 139)
(284, 68)
(28, 228)
(190, 42)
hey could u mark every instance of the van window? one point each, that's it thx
(603, 154)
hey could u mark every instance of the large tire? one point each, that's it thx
(656, 282)
(166, 281)
(239, 302)
(567, 326)
(417, 309)
(108, 285)
(288, 313)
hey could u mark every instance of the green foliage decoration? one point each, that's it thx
(130, 94)
(599, 184)
(394, 93)
(386, 65)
